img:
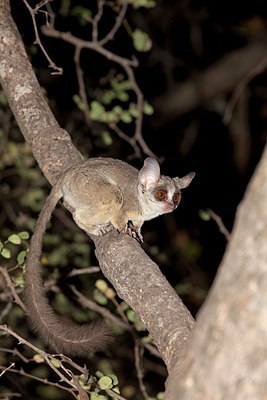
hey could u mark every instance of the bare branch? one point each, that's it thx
(125, 63)
(220, 224)
(45, 356)
(12, 288)
(205, 85)
(258, 69)
(33, 12)
(116, 26)
(25, 98)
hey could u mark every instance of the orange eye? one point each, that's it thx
(176, 198)
(161, 195)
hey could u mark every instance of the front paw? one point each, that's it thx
(132, 231)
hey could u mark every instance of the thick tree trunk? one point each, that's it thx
(227, 355)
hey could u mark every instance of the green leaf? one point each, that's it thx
(204, 215)
(19, 281)
(33, 198)
(148, 109)
(15, 239)
(126, 117)
(101, 285)
(96, 396)
(108, 96)
(110, 293)
(6, 253)
(24, 235)
(109, 117)
(143, 3)
(105, 383)
(99, 374)
(38, 358)
(78, 101)
(97, 110)
(56, 363)
(106, 138)
(117, 110)
(114, 378)
(133, 110)
(100, 298)
(118, 84)
(147, 339)
(82, 14)
(141, 41)
(21, 257)
(131, 315)
(123, 96)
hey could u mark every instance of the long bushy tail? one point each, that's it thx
(62, 336)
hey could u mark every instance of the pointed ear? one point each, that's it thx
(185, 180)
(150, 173)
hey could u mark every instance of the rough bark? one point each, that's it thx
(141, 284)
(51, 145)
(55, 152)
(227, 354)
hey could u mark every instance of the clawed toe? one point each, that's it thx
(131, 230)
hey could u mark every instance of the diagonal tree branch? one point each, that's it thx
(220, 78)
(136, 278)
(51, 145)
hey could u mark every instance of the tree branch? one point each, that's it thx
(138, 280)
(220, 78)
(136, 277)
(51, 145)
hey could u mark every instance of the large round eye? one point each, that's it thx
(161, 195)
(176, 198)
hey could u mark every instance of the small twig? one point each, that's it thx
(10, 395)
(152, 349)
(69, 38)
(138, 367)
(116, 26)
(126, 64)
(259, 68)
(36, 378)
(220, 224)
(112, 393)
(131, 141)
(82, 370)
(45, 355)
(96, 20)
(82, 394)
(81, 271)
(12, 288)
(33, 11)
(81, 84)
(85, 302)
(5, 369)
(15, 352)
(6, 310)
